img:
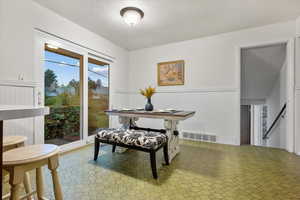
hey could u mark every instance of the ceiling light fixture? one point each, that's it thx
(132, 15)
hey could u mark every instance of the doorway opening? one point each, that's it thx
(264, 95)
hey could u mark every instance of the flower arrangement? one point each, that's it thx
(148, 92)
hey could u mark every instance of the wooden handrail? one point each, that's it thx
(274, 122)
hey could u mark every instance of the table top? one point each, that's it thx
(19, 111)
(170, 115)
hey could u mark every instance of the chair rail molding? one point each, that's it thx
(185, 90)
(19, 83)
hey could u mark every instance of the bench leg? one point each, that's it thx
(166, 154)
(153, 164)
(96, 151)
(114, 148)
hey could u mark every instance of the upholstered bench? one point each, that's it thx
(146, 141)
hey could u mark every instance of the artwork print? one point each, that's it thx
(170, 73)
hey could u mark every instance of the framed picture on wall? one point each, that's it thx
(170, 73)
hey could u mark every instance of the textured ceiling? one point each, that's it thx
(168, 21)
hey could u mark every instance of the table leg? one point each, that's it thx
(173, 142)
(125, 121)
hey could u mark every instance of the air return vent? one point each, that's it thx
(199, 137)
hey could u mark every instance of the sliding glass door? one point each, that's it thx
(98, 94)
(63, 83)
(77, 92)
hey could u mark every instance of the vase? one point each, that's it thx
(148, 106)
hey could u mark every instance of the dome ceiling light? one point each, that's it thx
(132, 15)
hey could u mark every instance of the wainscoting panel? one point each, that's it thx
(18, 95)
(216, 111)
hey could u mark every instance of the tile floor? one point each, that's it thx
(200, 171)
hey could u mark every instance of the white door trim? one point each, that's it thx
(290, 112)
(290, 43)
(41, 38)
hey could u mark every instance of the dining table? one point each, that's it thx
(9, 112)
(170, 117)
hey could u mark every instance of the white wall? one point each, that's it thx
(297, 119)
(256, 125)
(212, 78)
(275, 101)
(18, 19)
(298, 26)
(297, 93)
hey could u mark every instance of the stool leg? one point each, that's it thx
(15, 191)
(53, 165)
(39, 183)
(27, 185)
(16, 177)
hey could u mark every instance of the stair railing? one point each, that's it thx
(265, 136)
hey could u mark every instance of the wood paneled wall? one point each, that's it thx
(18, 95)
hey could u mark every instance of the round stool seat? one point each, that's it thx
(28, 154)
(13, 140)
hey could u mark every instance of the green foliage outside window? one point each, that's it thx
(63, 122)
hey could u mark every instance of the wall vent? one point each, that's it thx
(199, 137)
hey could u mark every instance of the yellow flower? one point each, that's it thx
(148, 92)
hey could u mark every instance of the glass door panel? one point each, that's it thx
(63, 95)
(98, 95)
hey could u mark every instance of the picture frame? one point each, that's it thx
(170, 73)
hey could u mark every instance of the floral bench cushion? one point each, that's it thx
(140, 138)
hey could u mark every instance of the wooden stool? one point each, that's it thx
(12, 142)
(23, 159)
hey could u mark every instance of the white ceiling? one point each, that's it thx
(168, 21)
(260, 69)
